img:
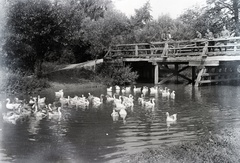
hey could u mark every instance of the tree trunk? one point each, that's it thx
(38, 68)
(236, 16)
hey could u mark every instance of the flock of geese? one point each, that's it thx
(37, 107)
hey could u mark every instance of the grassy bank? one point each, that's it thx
(15, 83)
(19, 83)
(74, 86)
(215, 148)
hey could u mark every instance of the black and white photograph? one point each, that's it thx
(119, 81)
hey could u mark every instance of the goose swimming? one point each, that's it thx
(171, 118)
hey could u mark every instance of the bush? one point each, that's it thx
(78, 75)
(116, 73)
(48, 67)
(17, 83)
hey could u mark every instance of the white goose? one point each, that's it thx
(115, 115)
(39, 114)
(141, 99)
(118, 103)
(55, 114)
(59, 94)
(123, 114)
(128, 101)
(123, 89)
(12, 106)
(64, 100)
(82, 103)
(145, 89)
(166, 93)
(172, 95)
(150, 103)
(109, 99)
(119, 100)
(109, 89)
(153, 90)
(135, 89)
(117, 87)
(10, 117)
(128, 89)
(41, 100)
(171, 118)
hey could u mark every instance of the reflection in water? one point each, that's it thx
(98, 135)
(169, 123)
(34, 125)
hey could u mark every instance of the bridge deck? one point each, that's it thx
(221, 49)
(201, 53)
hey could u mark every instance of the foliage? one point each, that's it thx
(224, 13)
(49, 67)
(79, 75)
(18, 83)
(142, 16)
(116, 74)
(32, 31)
(111, 29)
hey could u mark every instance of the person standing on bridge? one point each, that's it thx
(199, 35)
(169, 36)
(209, 35)
(225, 34)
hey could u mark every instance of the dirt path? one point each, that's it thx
(84, 64)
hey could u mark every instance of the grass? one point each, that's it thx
(18, 83)
(216, 148)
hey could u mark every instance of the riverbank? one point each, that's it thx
(75, 86)
(213, 148)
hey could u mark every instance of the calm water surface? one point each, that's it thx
(92, 136)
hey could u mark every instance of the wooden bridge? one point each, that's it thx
(213, 61)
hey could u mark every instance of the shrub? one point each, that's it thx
(17, 83)
(116, 73)
(78, 75)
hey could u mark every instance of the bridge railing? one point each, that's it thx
(196, 47)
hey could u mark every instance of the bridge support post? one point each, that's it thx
(156, 73)
(193, 74)
(176, 72)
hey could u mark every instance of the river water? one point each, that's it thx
(92, 136)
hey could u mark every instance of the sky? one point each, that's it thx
(159, 7)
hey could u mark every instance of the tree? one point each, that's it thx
(75, 15)
(32, 31)
(142, 16)
(225, 12)
(113, 28)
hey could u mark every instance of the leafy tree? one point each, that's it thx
(75, 15)
(194, 20)
(142, 15)
(32, 31)
(113, 28)
(225, 12)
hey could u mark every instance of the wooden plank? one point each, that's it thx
(203, 63)
(156, 75)
(217, 80)
(166, 79)
(197, 83)
(186, 78)
(216, 74)
(193, 74)
(174, 74)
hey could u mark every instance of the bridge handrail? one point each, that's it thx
(164, 48)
